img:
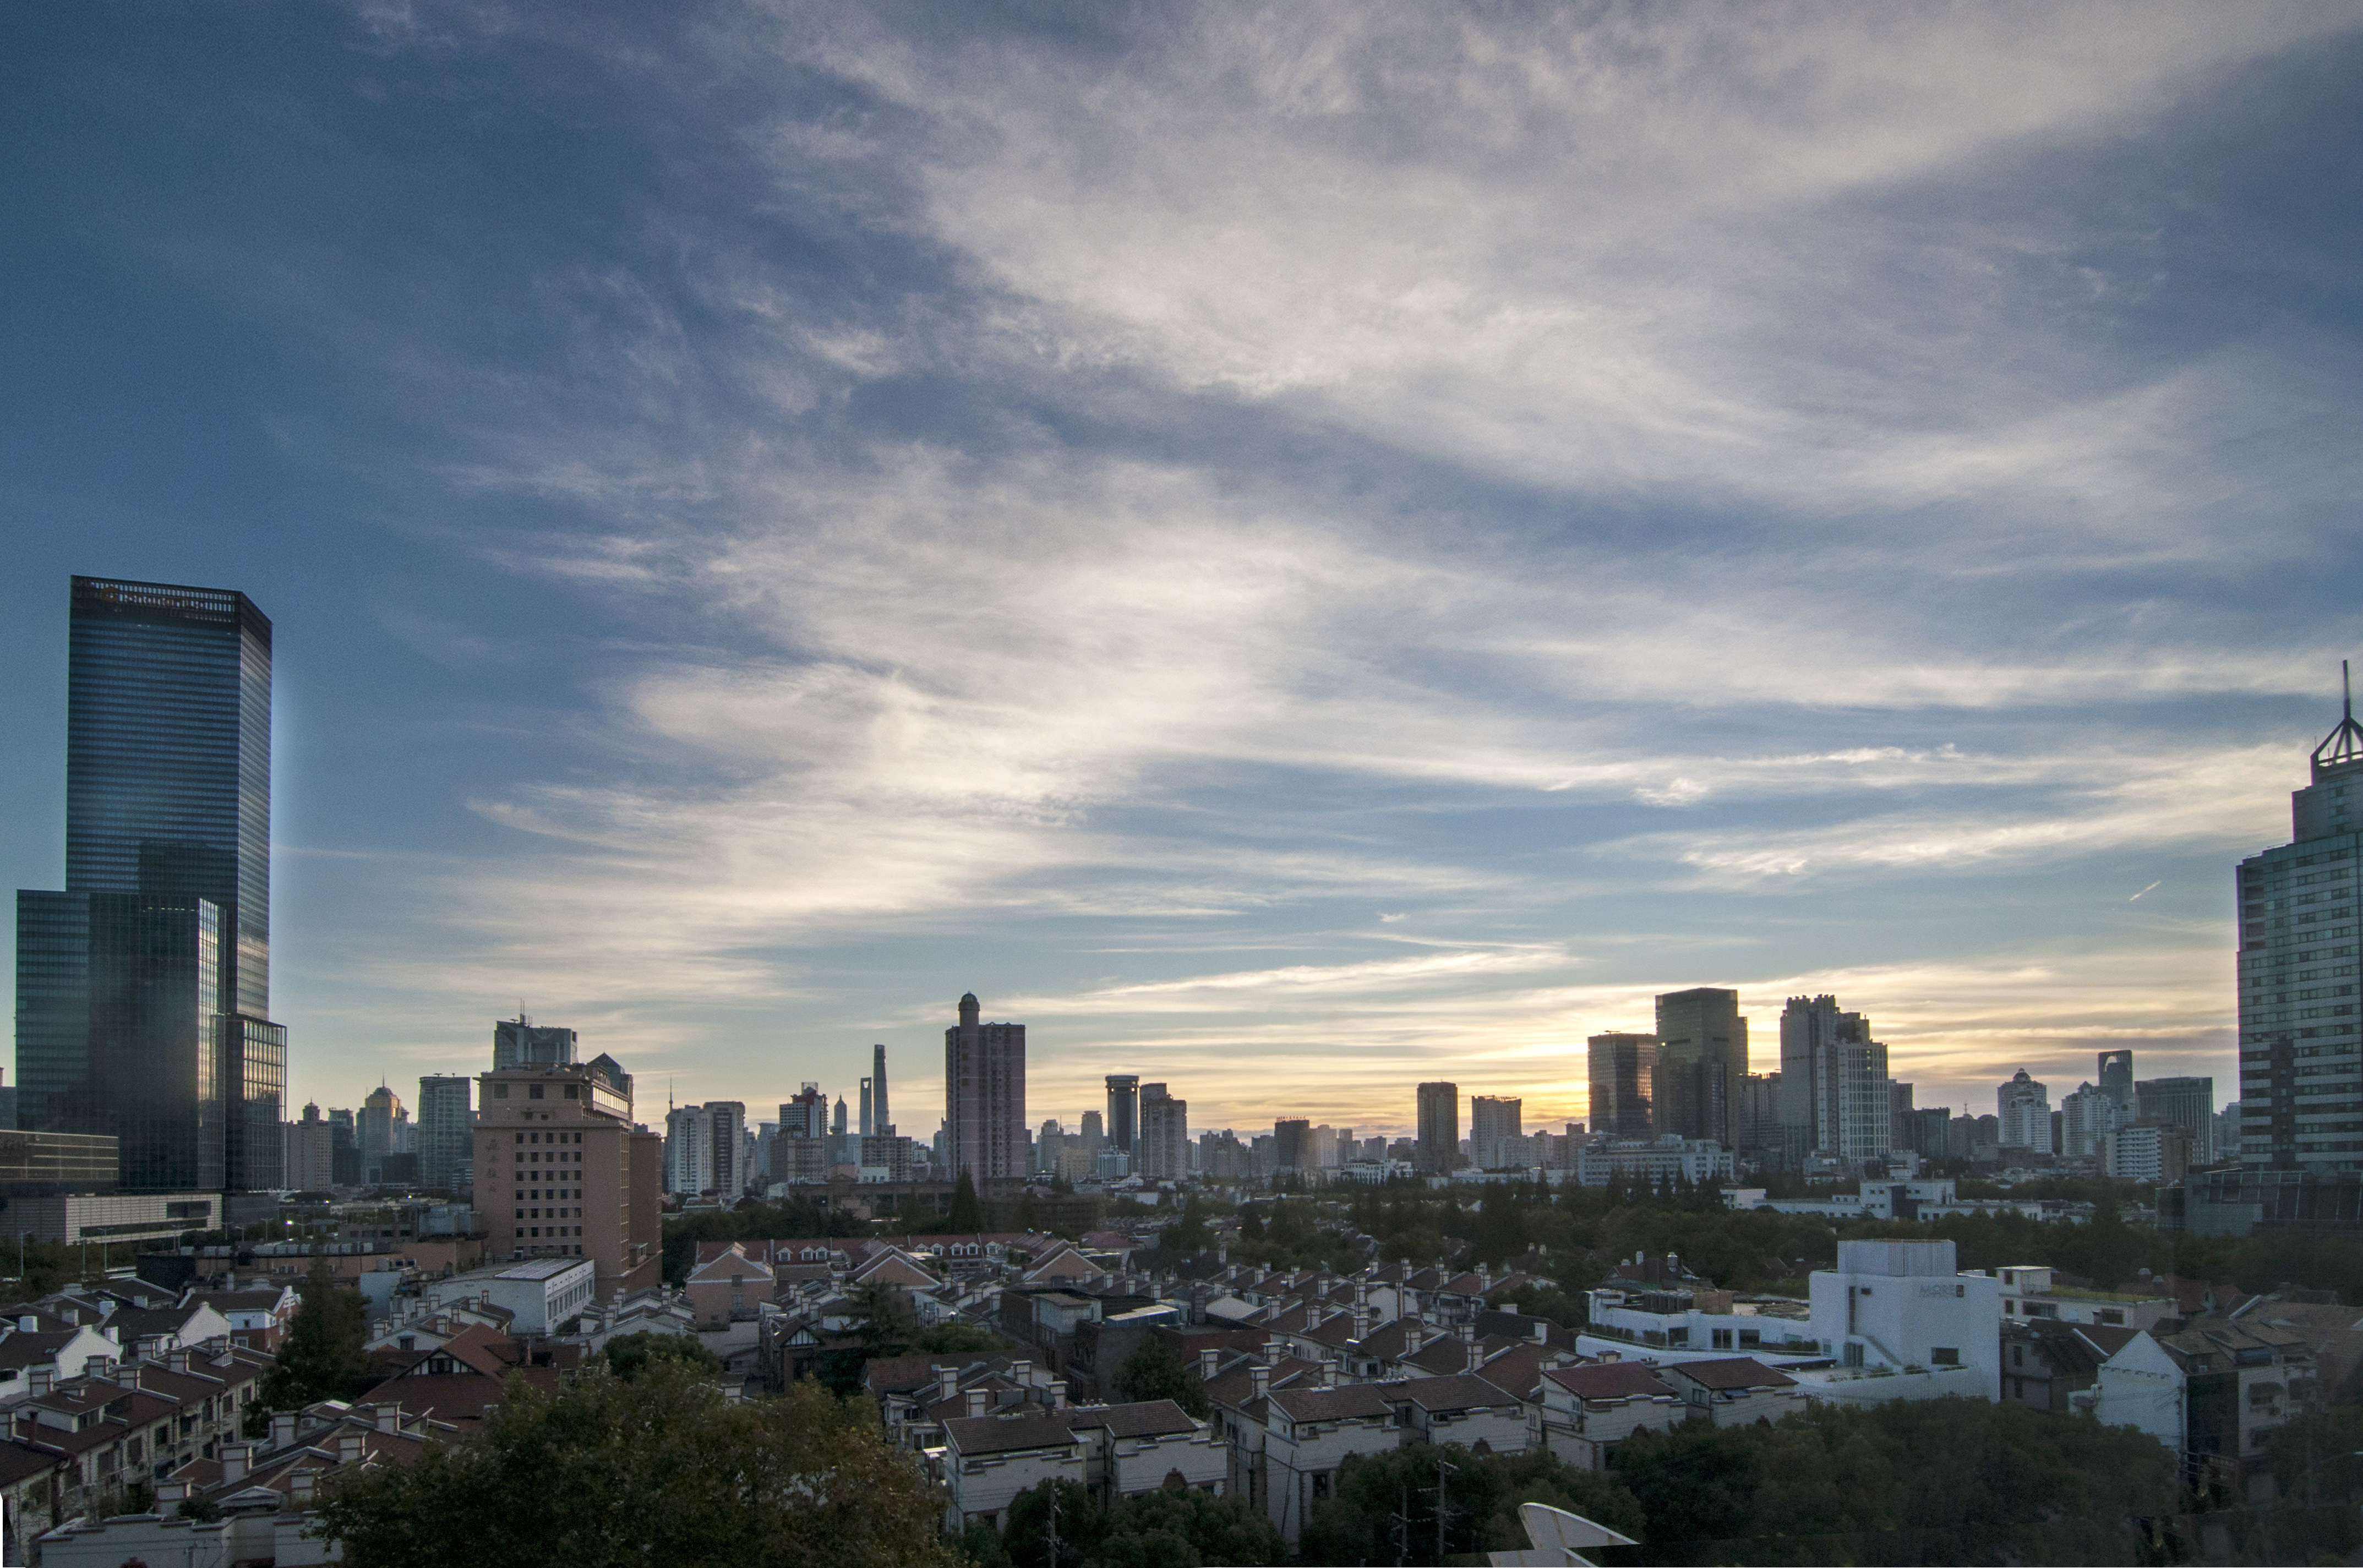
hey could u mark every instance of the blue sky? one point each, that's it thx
(1293, 550)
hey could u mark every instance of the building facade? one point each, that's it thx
(561, 1172)
(2301, 1033)
(143, 989)
(1836, 1097)
(1438, 1144)
(2189, 1103)
(519, 1042)
(446, 1131)
(1701, 1062)
(984, 1097)
(1123, 1109)
(1496, 1131)
(1622, 1080)
(1164, 1139)
(2024, 1109)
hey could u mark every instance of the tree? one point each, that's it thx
(598, 1473)
(322, 1354)
(955, 1338)
(967, 1217)
(1154, 1372)
(1188, 1236)
(629, 1355)
(1080, 1525)
(1384, 1508)
(1218, 1532)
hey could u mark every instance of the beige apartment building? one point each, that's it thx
(562, 1172)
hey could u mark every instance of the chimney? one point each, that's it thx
(234, 1458)
(1209, 1362)
(1328, 1375)
(1542, 1330)
(1476, 1355)
(1361, 1292)
(283, 1430)
(389, 1416)
(176, 1360)
(976, 1401)
(38, 1380)
(946, 1382)
(349, 1448)
(1262, 1378)
(1058, 1396)
(170, 1492)
(1021, 1372)
(299, 1487)
(29, 1322)
(100, 1367)
(1361, 1322)
(1273, 1350)
(1467, 1333)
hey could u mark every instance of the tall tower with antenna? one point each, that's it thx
(2299, 909)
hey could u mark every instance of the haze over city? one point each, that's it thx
(1292, 552)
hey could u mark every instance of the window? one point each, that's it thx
(1944, 1355)
(1320, 1486)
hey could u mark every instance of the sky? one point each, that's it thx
(1293, 550)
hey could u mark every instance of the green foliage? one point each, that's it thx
(790, 1220)
(1154, 1372)
(2318, 1458)
(966, 1216)
(629, 1355)
(1914, 1481)
(1290, 1233)
(1385, 1507)
(1159, 1529)
(957, 1339)
(1538, 1478)
(1189, 1234)
(599, 1472)
(323, 1356)
(46, 1267)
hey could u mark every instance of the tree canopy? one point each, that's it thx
(629, 1355)
(1158, 1530)
(1154, 1372)
(324, 1353)
(599, 1472)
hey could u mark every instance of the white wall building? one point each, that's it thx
(2086, 1117)
(1652, 1159)
(1667, 1326)
(1496, 1132)
(1894, 1307)
(542, 1294)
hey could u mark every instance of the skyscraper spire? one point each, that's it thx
(2343, 744)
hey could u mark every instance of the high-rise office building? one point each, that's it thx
(728, 1119)
(2086, 1118)
(1294, 1140)
(1496, 1131)
(1123, 1109)
(2024, 1106)
(519, 1042)
(143, 990)
(2297, 998)
(2117, 1079)
(380, 1114)
(344, 1148)
(1440, 1129)
(883, 1119)
(561, 1171)
(447, 1131)
(984, 1097)
(2187, 1103)
(1094, 1133)
(1836, 1095)
(869, 1123)
(1163, 1148)
(1702, 1059)
(311, 1157)
(1624, 1074)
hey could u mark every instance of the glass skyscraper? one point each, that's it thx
(143, 990)
(2301, 1047)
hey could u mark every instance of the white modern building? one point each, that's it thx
(1901, 1310)
(1653, 1160)
(1664, 1325)
(1496, 1132)
(541, 1295)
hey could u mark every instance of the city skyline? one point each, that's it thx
(1881, 536)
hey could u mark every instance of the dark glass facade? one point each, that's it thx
(168, 759)
(143, 990)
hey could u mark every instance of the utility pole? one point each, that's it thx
(1054, 1524)
(1444, 1467)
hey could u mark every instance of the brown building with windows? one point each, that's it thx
(561, 1171)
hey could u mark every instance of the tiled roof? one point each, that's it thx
(1147, 1418)
(1007, 1434)
(1351, 1401)
(1610, 1380)
(21, 1461)
(1461, 1393)
(1735, 1372)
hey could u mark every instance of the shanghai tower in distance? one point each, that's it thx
(143, 990)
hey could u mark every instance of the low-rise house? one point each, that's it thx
(258, 1315)
(1148, 1446)
(2046, 1364)
(725, 1286)
(1585, 1412)
(1112, 1450)
(1307, 1434)
(1464, 1408)
(2212, 1392)
(1737, 1392)
(32, 1491)
(30, 1354)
